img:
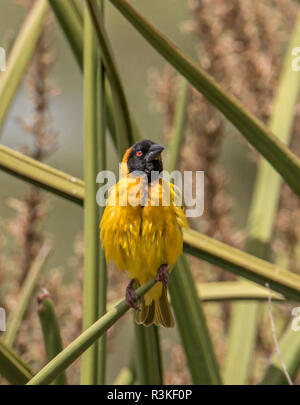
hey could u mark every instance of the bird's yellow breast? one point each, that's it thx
(140, 237)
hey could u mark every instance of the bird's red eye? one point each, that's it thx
(139, 153)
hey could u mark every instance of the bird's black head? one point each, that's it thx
(145, 156)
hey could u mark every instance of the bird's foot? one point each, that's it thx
(131, 298)
(163, 274)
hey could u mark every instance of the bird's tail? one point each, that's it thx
(158, 312)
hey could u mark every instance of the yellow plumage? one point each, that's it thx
(141, 238)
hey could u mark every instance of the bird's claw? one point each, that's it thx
(163, 274)
(131, 297)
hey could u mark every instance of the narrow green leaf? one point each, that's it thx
(109, 114)
(41, 175)
(125, 136)
(73, 29)
(242, 264)
(191, 322)
(190, 318)
(111, 120)
(20, 55)
(179, 124)
(278, 155)
(84, 341)
(260, 222)
(12, 367)
(233, 291)
(51, 332)
(77, 7)
(26, 293)
(148, 357)
(71, 21)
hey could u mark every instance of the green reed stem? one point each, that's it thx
(64, 359)
(41, 175)
(101, 165)
(91, 258)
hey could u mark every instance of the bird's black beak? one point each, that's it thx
(154, 152)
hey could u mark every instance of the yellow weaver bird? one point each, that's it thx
(141, 234)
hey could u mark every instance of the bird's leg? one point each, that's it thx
(163, 274)
(131, 297)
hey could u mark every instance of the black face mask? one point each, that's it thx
(145, 156)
